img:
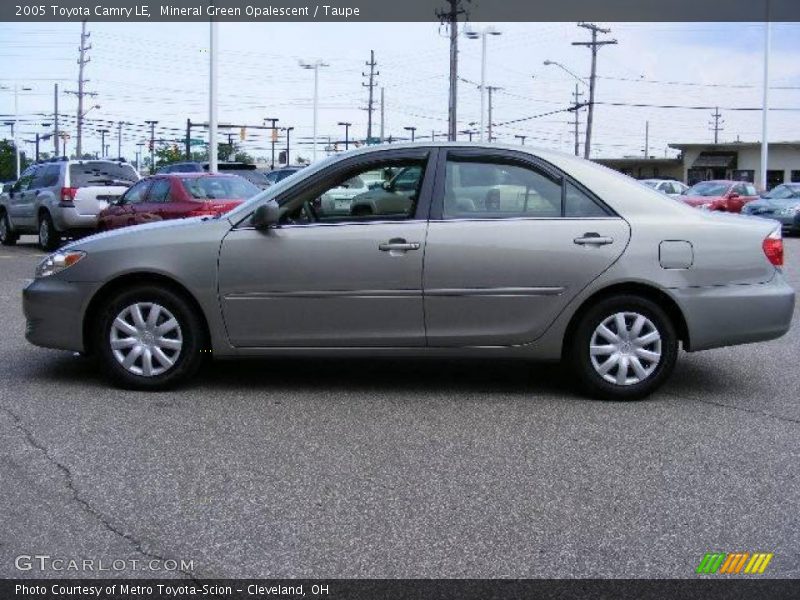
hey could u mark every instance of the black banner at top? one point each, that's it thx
(398, 11)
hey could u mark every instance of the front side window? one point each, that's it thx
(159, 191)
(135, 194)
(349, 198)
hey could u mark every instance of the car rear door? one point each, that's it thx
(329, 281)
(500, 273)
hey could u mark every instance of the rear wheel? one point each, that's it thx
(149, 338)
(624, 348)
(8, 237)
(49, 238)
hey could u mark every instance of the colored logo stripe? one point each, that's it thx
(733, 563)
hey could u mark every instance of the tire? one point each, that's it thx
(600, 373)
(182, 345)
(49, 238)
(8, 237)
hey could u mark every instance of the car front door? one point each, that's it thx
(510, 243)
(324, 280)
(151, 208)
(22, 196)
(121, 214)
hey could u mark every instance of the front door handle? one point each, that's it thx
(398, 244)
(593, 238)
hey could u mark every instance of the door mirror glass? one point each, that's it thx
(733, 195)
(267, 215)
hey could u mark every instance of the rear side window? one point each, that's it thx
(91, 173)
(577, 204)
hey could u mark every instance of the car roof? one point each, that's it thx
(194, 174)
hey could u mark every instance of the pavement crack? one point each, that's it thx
(739, 408)
(78, 499)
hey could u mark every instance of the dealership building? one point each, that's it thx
(700, 162)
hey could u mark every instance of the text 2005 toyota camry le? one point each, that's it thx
(450, 250)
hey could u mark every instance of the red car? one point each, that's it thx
(722, 195)
(176, 196)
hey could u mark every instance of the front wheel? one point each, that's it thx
(149, 338)
(624, 348)
(8, 237)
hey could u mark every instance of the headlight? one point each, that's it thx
(55, 263)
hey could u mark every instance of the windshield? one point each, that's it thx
(215, 188)
(101, 173)
(708, 188)
(783, 192)
(256, 177)
(650, 183)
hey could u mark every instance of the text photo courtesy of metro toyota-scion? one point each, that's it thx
(443, 300)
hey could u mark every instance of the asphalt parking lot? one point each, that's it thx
(353, 468)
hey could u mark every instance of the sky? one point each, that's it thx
(159, 71)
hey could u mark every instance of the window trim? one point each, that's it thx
(512, 157)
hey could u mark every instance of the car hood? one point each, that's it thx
(141, 231)
(698, 200)
(770, 204)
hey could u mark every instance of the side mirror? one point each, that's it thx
(733, 195)
(386, 185)
(267, 216)
(7, 187)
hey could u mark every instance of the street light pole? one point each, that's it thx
(474, 35)
(102, 133)
(152, 145)
(315, 66)
(288, 133)
(765, 105)
(521, 138)
(212, 97)
(347, 127)
(412, 130)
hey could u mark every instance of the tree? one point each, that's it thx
(8, 161)
(168, 154)
(243, 157)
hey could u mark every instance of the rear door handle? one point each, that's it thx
(593, 239)
(398, 244)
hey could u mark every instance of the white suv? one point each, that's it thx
(60, 198)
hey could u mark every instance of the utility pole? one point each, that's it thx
(274, 138)
(188, 148)
(288, 132)
(102, 133)
(646, 139)
(576, 107)
(765, 102)
(119, 137)
(383, 114)
(153, 145)
(347, 127)
(82, 61)
(450, 18)
(594, 45)
(371, 85)
(139, 156)
(213, 64)
(716, 124)
(521, 138)
(55, 120)
(489, 90)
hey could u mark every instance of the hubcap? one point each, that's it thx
(625, 348)
(146, 339)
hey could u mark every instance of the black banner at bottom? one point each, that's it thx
(400, 589)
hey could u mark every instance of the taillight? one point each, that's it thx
(68, 194)
(773, 247)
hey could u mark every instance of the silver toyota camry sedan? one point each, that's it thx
(482, 252)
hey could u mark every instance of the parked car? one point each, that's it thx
(276, 175)
(390, 197)
(781, 203)
(176, 196)
(337, 201)
(605, 273)
(670, 187)
(721, 195)
(244, 170)
(61, 198)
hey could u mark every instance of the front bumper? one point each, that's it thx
(736, 314)
(54, 311)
